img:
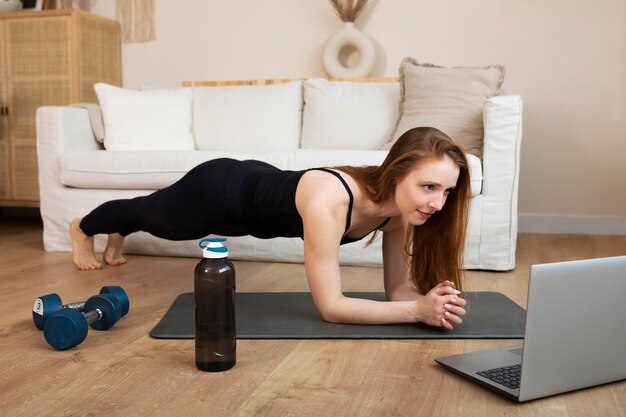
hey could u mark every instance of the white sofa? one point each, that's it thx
(294, 126)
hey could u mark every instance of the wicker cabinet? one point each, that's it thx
(46, 58)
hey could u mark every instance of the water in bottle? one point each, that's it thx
(214, 287)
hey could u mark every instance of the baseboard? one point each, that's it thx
(579, 225)
(30, 212)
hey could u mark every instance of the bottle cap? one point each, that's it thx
(212, 248)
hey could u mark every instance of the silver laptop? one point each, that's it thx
(575, 334)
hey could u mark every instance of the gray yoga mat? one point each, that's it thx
(292, 315)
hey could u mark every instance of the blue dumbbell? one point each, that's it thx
(48, 305)
(120, 294)
(69, 327)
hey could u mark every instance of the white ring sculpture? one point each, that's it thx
(349, 36)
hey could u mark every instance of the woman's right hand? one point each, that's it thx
(441, 306)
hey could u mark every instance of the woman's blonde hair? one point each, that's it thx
(435, 249)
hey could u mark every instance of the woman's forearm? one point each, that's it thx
(361, 311)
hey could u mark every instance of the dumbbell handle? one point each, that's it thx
(76, 306)
(93, 315)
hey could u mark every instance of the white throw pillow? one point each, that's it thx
(348, 115)
(248, 118)
(145, 120)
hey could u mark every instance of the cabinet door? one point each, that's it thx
(98, 55)
(38, 73)
(5, 168)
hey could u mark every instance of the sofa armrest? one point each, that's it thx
(502, 119)
(59, 129)
(64, 128)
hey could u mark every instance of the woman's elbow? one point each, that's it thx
(331, 312)
(330, 319)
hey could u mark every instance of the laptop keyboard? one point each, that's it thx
(507, 376)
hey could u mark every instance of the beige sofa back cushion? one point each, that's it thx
(449, 99)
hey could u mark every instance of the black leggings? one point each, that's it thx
(204, 201)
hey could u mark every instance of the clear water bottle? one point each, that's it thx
(214, 287)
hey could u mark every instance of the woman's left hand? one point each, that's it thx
(442, 306)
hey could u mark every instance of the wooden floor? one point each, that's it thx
(125, 372)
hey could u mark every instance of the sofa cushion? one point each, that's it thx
(449, 99)
(153, 170)
(145, 120)
(254, 118)
(132, 170)
(348, 115)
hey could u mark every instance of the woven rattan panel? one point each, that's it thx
(39, 47)
(39, 74)
(24, 180)
(5, 191)
(28, 96)
(51, 57)
(99, 57)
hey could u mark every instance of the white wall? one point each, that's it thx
(566, 58)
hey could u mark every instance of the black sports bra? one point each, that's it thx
(349, 214)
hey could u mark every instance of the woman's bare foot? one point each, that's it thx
(82, 248)
(113, 252)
